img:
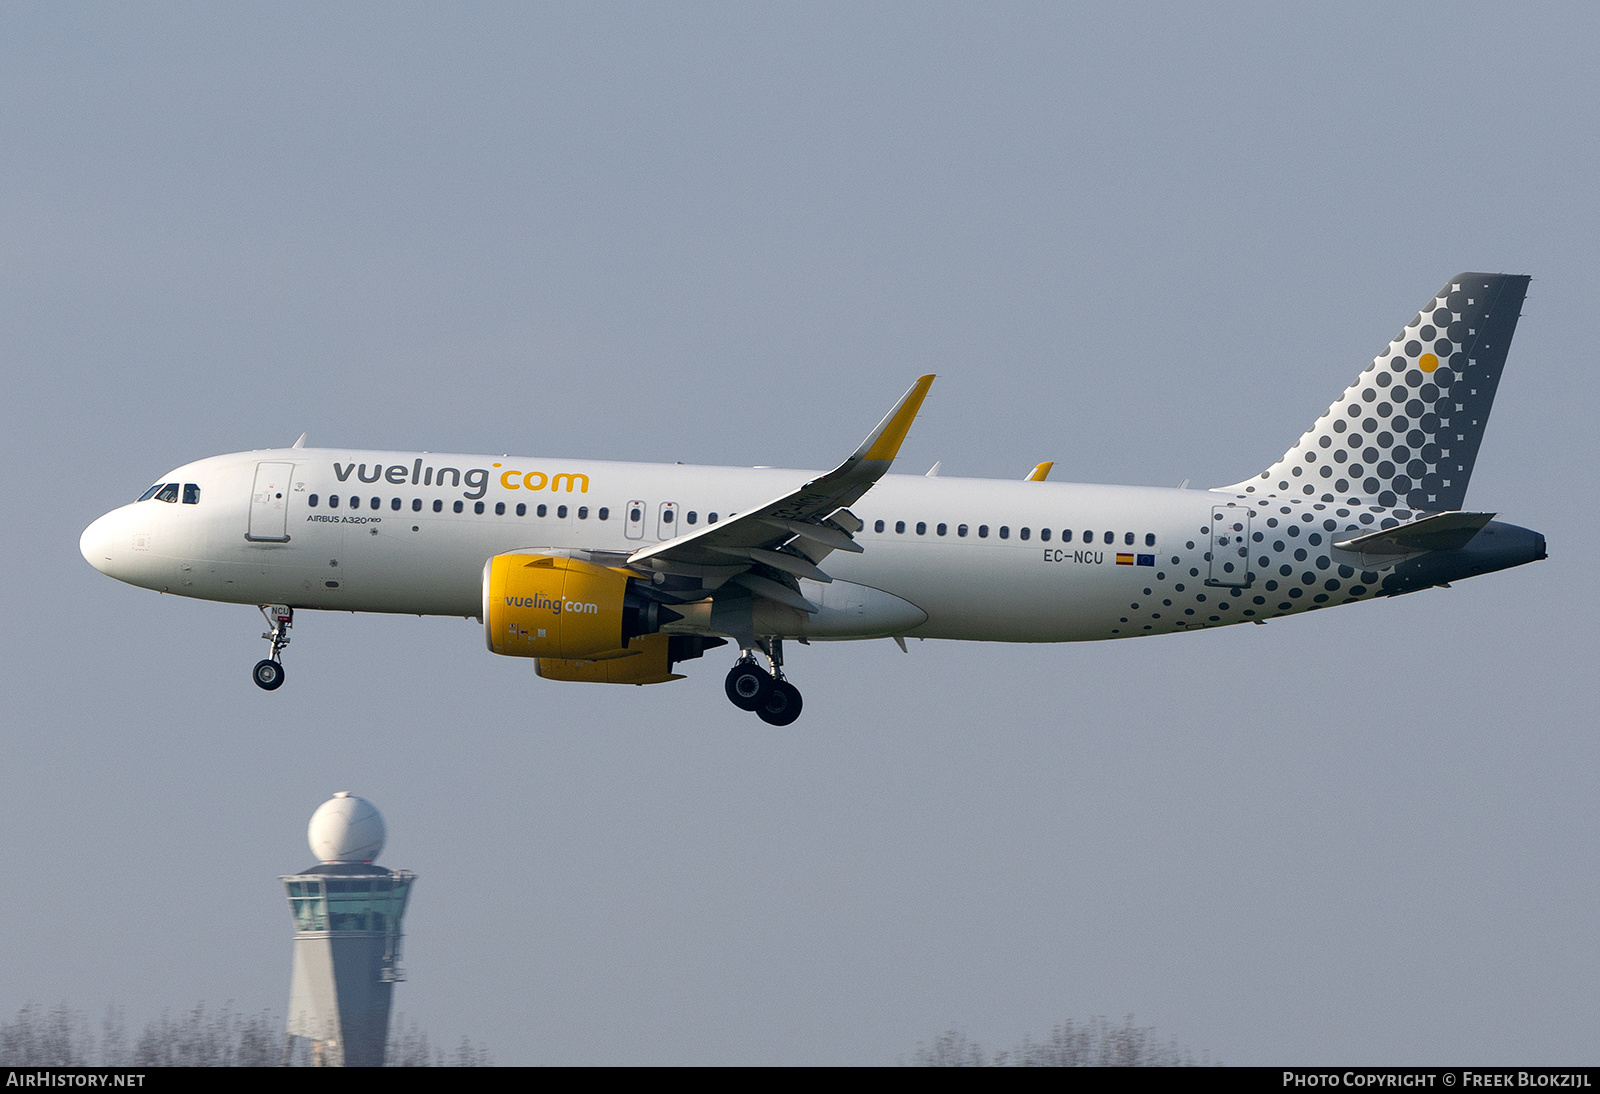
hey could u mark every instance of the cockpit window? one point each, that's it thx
(150, 493)
(191, 493)
(168, 493)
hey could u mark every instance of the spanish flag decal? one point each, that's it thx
(1124, 560)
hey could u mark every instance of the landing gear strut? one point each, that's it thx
(268, 673)
(750, 687)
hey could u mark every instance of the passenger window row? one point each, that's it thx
(541, 510)
(168, 492)
(636, 514)
(1067, 534)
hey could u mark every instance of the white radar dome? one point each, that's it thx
(346, 828)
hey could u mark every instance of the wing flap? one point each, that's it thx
(778, 560)
(772, 590)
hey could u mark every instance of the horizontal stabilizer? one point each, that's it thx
(1440, 532)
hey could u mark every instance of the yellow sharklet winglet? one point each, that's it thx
(1041, 472)
(884, 442)
(815, 511)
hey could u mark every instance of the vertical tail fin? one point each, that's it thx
(1407, 431)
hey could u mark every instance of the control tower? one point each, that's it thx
(347, 915)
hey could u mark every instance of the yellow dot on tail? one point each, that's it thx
(1428, 362)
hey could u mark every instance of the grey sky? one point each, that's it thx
(1150, 244)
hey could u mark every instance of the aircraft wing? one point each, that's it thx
(770, 546)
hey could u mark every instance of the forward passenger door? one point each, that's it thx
(269, 504)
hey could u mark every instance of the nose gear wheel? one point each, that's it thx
(268, 673)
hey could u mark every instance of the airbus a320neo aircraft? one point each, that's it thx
(618, 572)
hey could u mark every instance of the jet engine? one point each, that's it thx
(547, 606)
(583, 621)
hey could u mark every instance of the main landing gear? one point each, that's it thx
(268, 673)
(751, 687)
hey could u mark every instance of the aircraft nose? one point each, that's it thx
(97, 543)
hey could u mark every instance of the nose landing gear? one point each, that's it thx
(268, 673)
(750, 687)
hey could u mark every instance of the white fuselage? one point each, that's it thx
(976, 559)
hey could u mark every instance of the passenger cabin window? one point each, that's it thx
(1127, 538)
(1149, 539)
(459, 506)
(1005, 531)
(942, 529)
(1111, 537)
(583, 513)
(499, 508)
(605, 514)
(1044, 534)
(541, 511)
(900, 526)
(922, 528)
(983, 531)
(691, 518)
(191, 493)
(312, 501)
(561, 511)
(438, 505)
(961, 530)
(477, 507)
(877, 525)
(1023, 533)
(1066, 535)
(394, 503)
(522, 509)
(333, 501)
(416, 505)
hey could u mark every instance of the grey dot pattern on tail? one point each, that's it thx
(1407, 432)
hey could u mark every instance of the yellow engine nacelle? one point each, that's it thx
(650, 663)
(545, 606)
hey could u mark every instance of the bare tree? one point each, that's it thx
(59, 1036)
(114, 1050)
(1094, 1043)
(950, 1049)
